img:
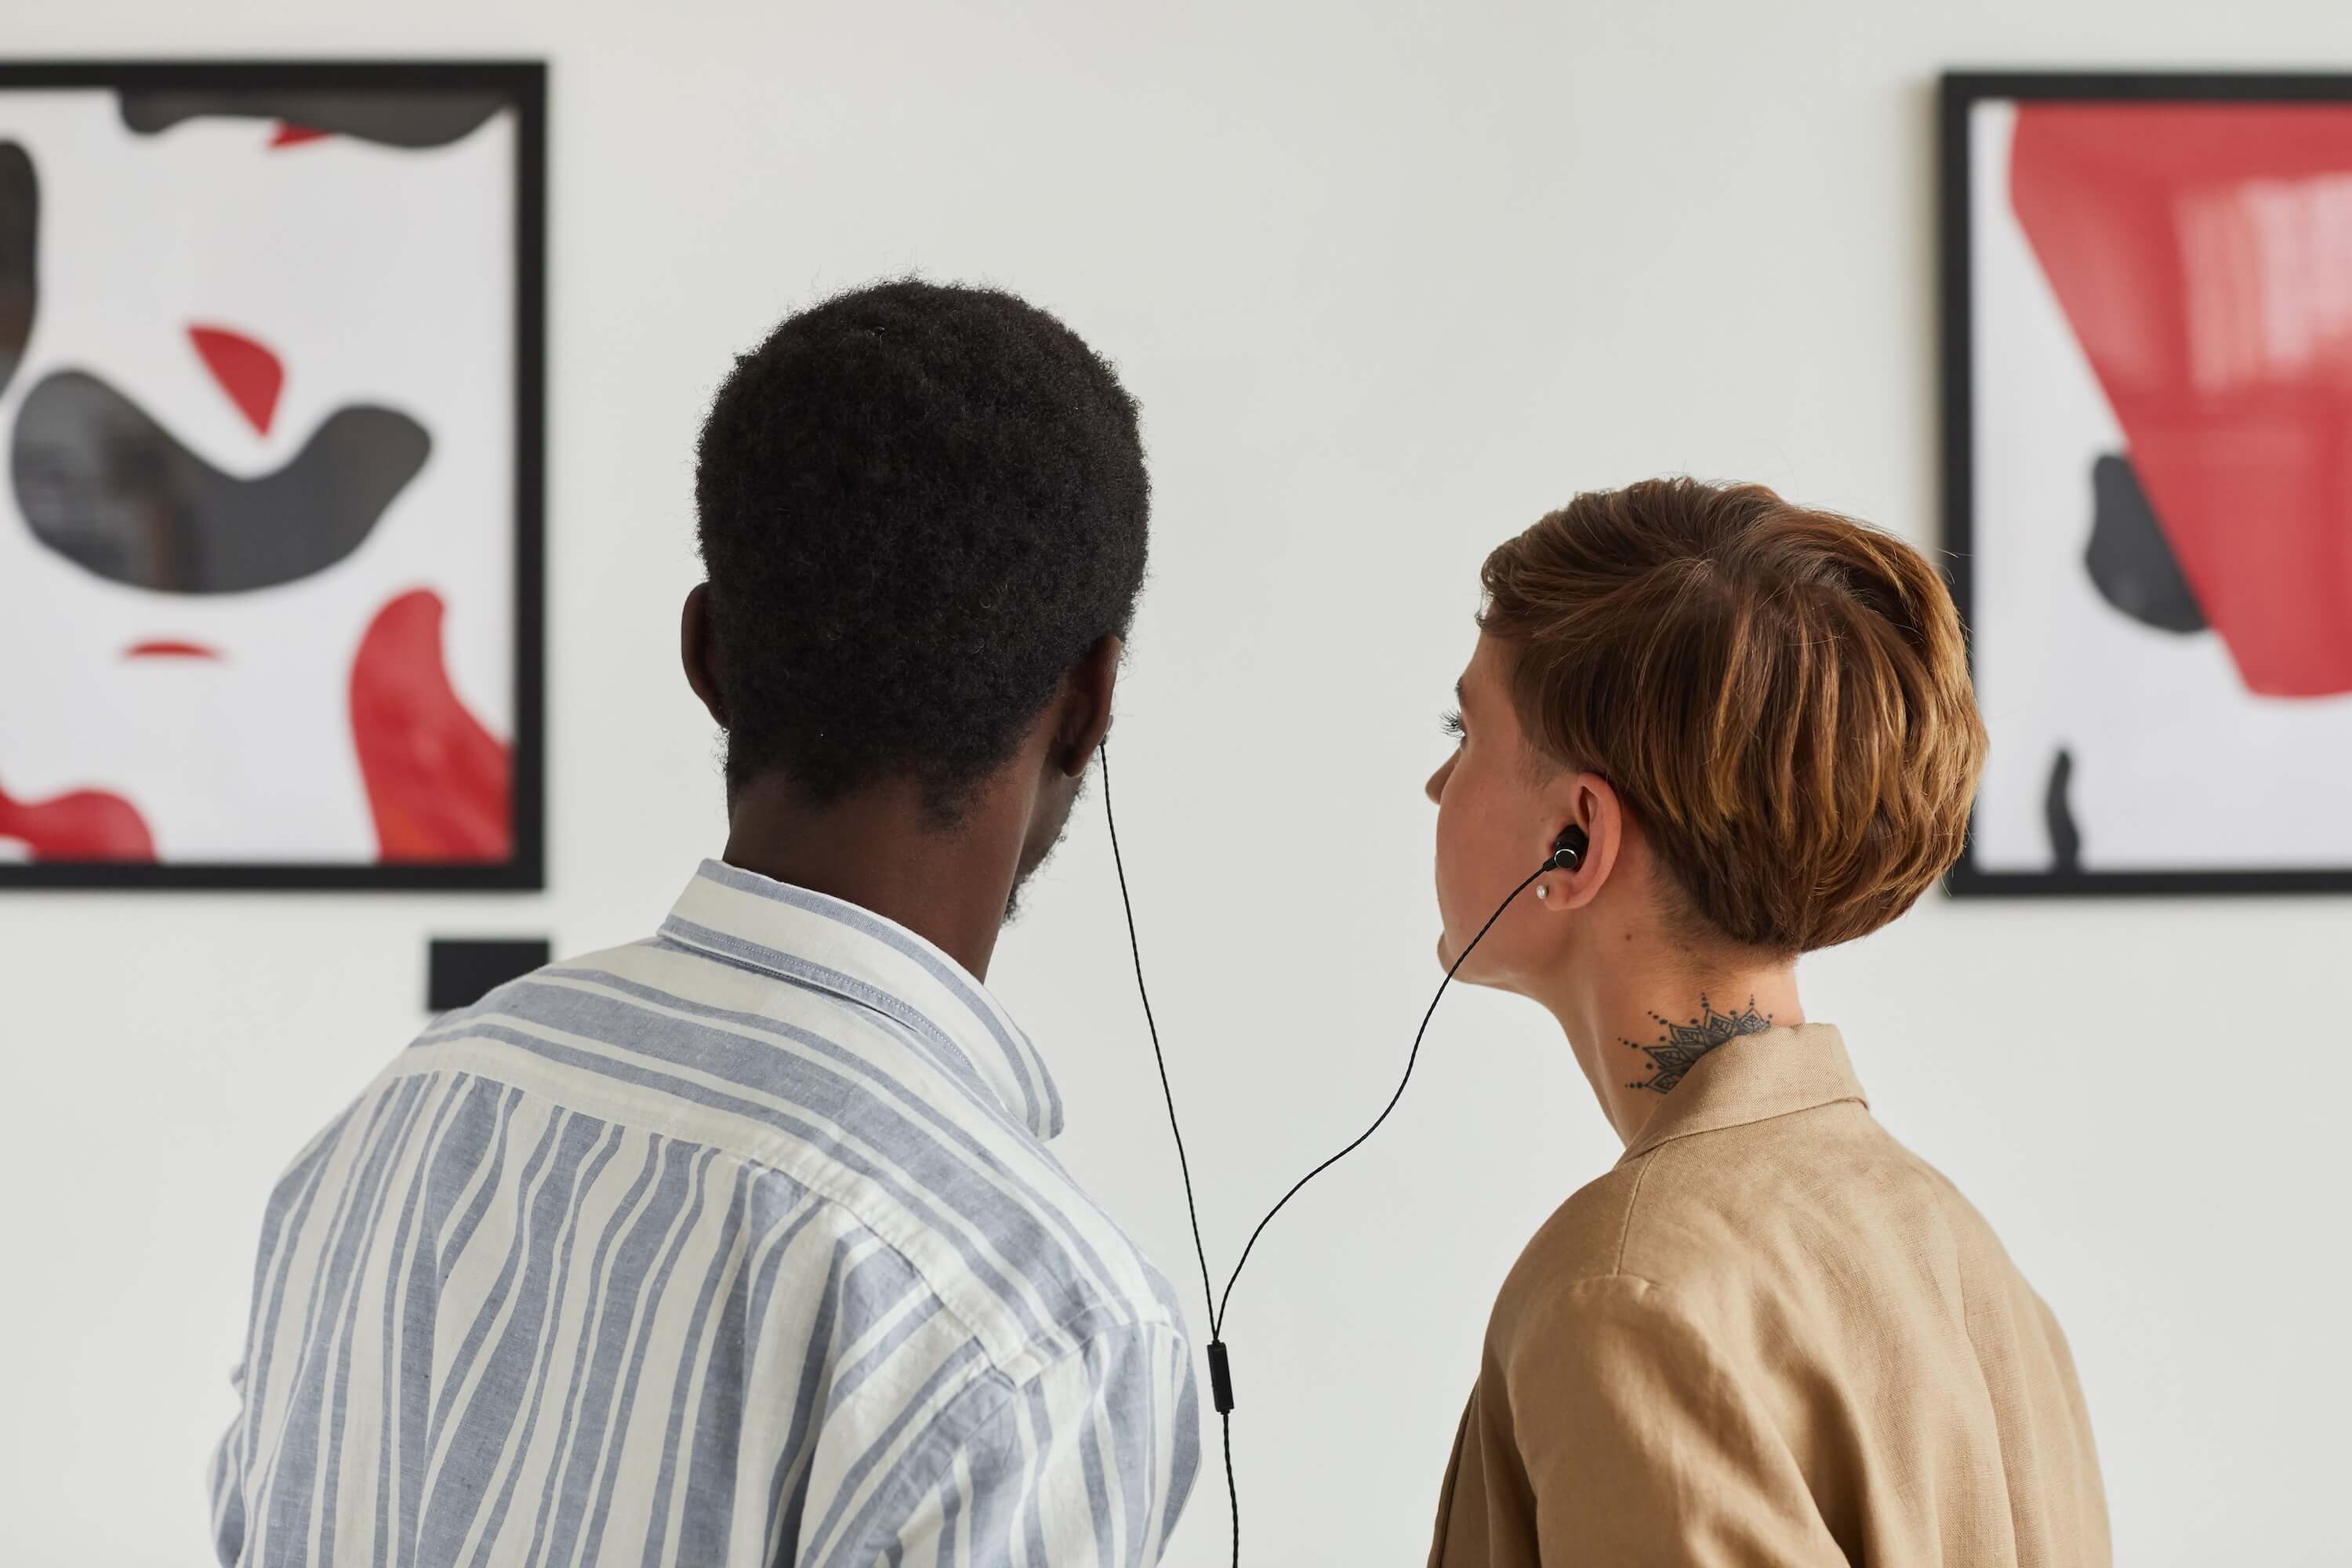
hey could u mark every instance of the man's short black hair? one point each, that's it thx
(919, 506)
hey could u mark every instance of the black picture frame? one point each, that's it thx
(524, 82)
(1959, 91)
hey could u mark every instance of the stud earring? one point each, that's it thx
(1543, 890)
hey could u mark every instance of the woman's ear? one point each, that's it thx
(1590, 802)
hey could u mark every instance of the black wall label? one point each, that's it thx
(462, 972)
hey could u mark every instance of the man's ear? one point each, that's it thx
(695, 651)
(1083, 713)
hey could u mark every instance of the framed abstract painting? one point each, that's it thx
(270, 373)
(2147, 404)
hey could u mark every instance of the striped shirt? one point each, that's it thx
(740, 1245)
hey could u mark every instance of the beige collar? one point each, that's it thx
(1751, 1078)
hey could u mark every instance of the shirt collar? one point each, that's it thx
(810, 939)
(1753, 1077)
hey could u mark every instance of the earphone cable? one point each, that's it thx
(1217, 1321)
(1219, 1374)
(1136, 948)
(1233, 1493)
(1192, 1210)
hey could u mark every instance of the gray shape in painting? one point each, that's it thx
(2129, 559)
(105, 486)
(2058, 814)
(424, 117)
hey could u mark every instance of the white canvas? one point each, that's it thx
(378, 275)
(2176, 764)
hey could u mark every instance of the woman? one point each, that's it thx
(1770, 1334)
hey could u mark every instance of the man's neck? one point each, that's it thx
(881, 850)
(1637, 1029)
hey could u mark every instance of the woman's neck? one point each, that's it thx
(1649, 1019)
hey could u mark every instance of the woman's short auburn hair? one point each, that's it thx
(1780, 695)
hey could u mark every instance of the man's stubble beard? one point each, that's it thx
(1021, 881)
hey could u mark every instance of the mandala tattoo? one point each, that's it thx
(1680, 1046)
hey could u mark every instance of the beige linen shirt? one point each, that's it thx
(1772, 1335)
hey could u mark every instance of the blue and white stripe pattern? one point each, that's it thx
(737, 1246)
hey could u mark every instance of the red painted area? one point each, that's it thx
(165, 647)
(85, 825)
(440, 785)
(292, 135)
(2203, 255)
(247, 372)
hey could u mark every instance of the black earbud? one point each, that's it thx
(1567, 849)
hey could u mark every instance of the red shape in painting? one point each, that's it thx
(85, 825)
(248, 372)
(292, 135)
(170, 647)
(440, 785)
(2198, 251)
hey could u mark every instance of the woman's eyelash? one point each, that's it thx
(1451, 723)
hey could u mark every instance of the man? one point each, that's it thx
(740, 1245)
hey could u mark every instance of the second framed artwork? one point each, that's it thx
(2148, 363)
(270, 539)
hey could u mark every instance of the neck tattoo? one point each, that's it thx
(1680, 1046)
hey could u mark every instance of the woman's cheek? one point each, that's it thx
(1441, 855)
(1456, 857)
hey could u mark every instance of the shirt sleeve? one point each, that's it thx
(227, 1483)
(1087, 1464)
(1643, 1444)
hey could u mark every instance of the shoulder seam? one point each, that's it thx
(1009, 1389)
(1079, 1328)
(1625, 1227)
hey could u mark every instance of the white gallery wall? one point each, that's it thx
(1390, 282)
